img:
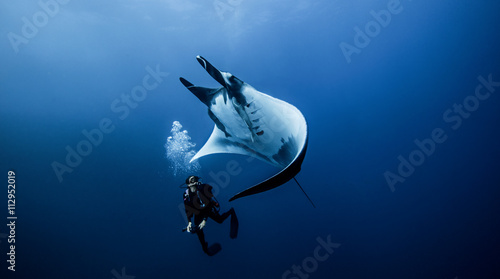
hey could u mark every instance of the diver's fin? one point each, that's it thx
(233, 233)
(213, 249)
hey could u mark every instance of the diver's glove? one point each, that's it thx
(189, 227)
(202, 224)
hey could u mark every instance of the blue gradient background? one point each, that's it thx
(119, 207)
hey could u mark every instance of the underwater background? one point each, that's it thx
(400, 97)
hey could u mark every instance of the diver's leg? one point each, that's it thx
(201, 237)
(220, 218)
(233, 233)
(213, 249)
(197, 219)
(234, 220)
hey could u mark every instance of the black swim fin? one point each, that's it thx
(213, 249)
(233, 233)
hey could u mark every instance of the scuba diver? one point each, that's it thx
(200, 204)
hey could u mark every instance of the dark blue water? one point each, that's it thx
(368, 85)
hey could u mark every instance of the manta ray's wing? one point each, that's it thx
(284, 137)
(278, 179)
(219, 143)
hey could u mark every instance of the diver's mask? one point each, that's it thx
(193, 181)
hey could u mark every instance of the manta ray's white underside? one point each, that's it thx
(249, 122)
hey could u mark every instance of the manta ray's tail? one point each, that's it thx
(304, 192)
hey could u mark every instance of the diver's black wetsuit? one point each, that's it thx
(199, 206)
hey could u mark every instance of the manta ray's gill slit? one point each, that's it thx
(253, 112)
(250, 103)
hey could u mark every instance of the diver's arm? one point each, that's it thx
(188, 209)
(190, 224)
(208, 193)
(189, 213)
(214, 202)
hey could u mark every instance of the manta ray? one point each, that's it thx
(251, 123)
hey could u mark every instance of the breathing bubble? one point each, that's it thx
(179, 151)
